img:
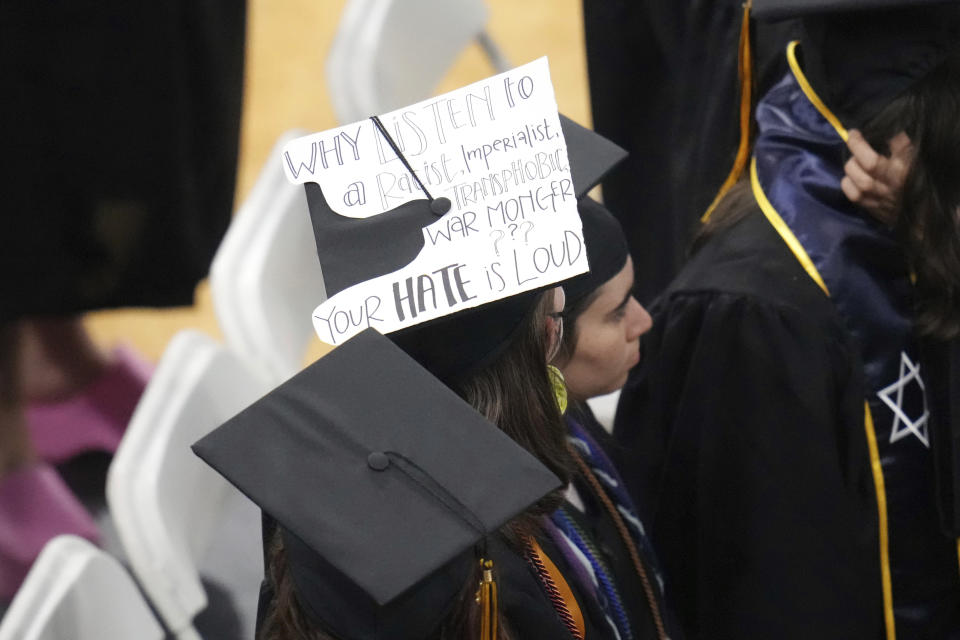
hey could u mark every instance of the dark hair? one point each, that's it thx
(732, 208)
(514, 393)
(929, 221)
(572, 313)
(285, 618)
(928, 224)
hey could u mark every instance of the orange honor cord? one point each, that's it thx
(557, 589)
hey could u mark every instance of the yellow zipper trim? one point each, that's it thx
(882, 514)
(781, 227)
(810, 93)
(745, 77)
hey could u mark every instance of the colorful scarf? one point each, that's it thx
(590, 569)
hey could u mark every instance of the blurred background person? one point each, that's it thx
(121, 127)
(790, 431)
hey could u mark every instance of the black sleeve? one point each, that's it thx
(663, 85)
(742, 440)
(941, 366)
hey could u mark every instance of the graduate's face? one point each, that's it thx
(608, 339)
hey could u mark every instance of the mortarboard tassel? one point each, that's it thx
(745, 72)
(487, 597)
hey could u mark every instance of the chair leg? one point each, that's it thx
(493, 53)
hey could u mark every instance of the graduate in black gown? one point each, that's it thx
(602, 324)
(791, 431)
(663, 85)
(352, 555)
(120, 124)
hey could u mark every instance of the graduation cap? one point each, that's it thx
(607, 250)
(382, 482)
(405, 259)
(354, 250)
(861, 54)
(455, 346)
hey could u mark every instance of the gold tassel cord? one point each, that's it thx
(487, 597)
(745, 73)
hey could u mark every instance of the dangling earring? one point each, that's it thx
(559, 387)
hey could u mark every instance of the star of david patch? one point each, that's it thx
(892, 396)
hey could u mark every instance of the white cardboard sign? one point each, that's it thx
(496, 150)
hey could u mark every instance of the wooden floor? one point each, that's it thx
(287, 42)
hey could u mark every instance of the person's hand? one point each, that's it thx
(874, 181)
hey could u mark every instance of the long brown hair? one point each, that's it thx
(514, 393)
(929, 220)
(734, 206)
(928, 225)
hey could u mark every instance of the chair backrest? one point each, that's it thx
(166, 502)
(266, 278)
(75, 591)
(388, 53)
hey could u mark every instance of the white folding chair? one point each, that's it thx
(166, 503)
(266, 278)
(388, 53)
(75, 591)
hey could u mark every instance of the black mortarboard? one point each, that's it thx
(860, 54)
(591, 155)
(454, 346)
(607, 250)
(354, 250)
(382, 480)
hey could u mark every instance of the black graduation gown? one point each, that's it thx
(524, 603)
(663, 85)
(120, 125)
(745, 450)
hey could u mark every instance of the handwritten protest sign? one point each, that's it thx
(496, 150)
